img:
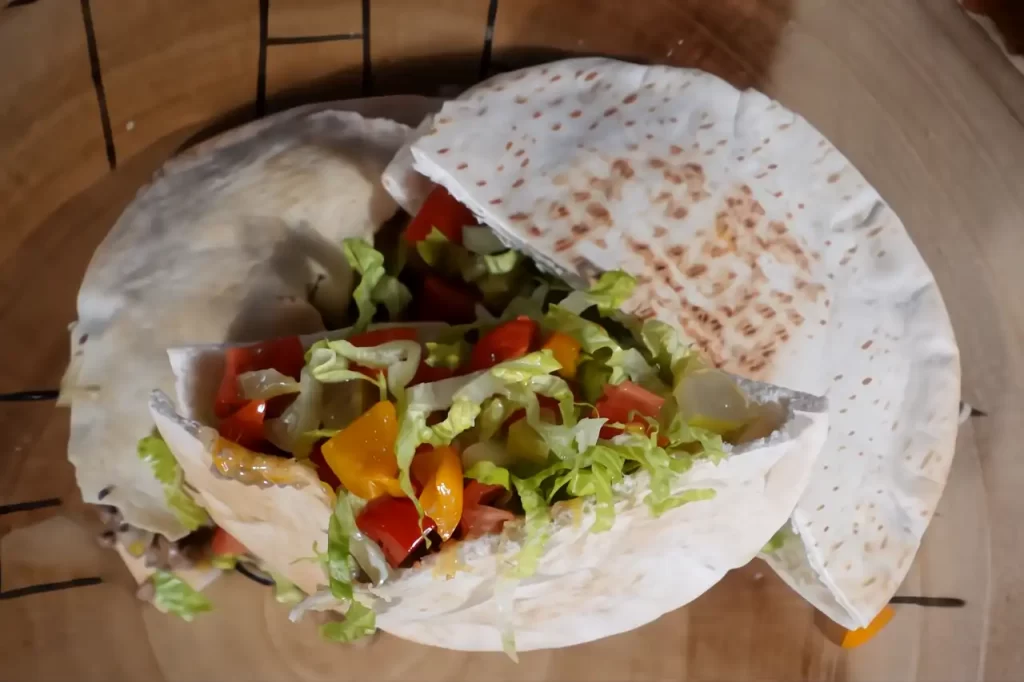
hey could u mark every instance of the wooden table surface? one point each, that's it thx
(911, 91)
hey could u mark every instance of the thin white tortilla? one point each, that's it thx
(227, 243)
(752, 234)
(587, 586)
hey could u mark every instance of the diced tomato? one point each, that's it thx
(625, 399)
(285, 355)
(225, 544)
(443, 211)
(478, 518)
(505, 342)
(393, 523)
(442, 301)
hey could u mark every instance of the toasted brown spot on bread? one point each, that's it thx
(591, 76)
(534, 231)
(494, 202)
(462, 166)
(519, 216)
(518, 183)
(520, 99)
(563, 244)
(696, 270)
(622, 167)
(556, 127)
(576, 113)
(610, 111)
(580, 229)
(833, 179)
(443, 150)
(660, 232)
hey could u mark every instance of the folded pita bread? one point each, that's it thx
(755, 237)
(237, 239)
(587, 586)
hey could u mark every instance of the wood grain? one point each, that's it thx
(329, 70)
(169, 65)
(289, 18)
(918, 98)
(51, 142)
(404, 32)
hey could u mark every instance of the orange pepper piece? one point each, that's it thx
(439, 470)
(849, 639)
(362, 455)
(567, 351)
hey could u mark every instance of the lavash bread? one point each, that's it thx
(755, 237)
(226, 243)
(587, 586)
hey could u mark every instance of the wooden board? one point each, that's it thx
(48, 116)
(912, 92)
(325, 71)
(172, 65)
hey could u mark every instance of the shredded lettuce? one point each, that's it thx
(612, 289)
(537, 525)
(667, 350)
(339, 530)
(285, 591)
(481, 240)
(779, 539)
(375, 285)
(154, 451)
(329, 362)
(489, 473)
(360, 621)
(171, 594)
(264, 384)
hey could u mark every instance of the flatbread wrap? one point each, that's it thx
(233, 240)
(579, 472)
(759, 241)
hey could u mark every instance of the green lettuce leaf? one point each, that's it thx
(489, 473)
(330, 361)
(666, 349)
(360, 621)
(340, 528)
(154, 451)
(174, 595)
(613, 288)
(285, 591)
(779, 539)
(537, 526)
(375, 285)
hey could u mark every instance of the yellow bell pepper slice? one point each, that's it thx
(567, 351)
(362, 455)
(439, 470)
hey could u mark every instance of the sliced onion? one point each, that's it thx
(370, 558)
(264, 384)
(303, 415)
(710, 397)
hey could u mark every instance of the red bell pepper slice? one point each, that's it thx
(478, 517)
(443, 211)
(393, 523)
(245, 426)
(442, 301)
(285, 355)
(622, 400)
(505, 342)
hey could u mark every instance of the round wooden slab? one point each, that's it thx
(97, 94)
